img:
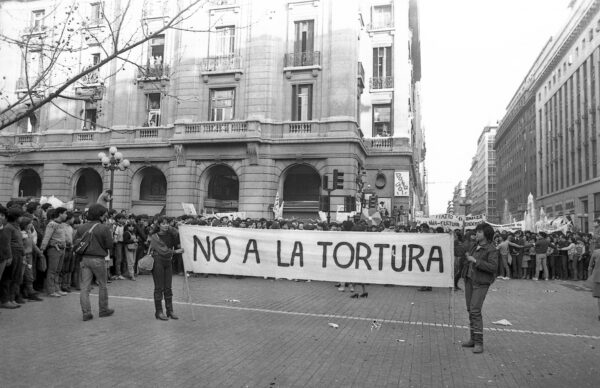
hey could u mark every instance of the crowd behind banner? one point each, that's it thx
(29, 270)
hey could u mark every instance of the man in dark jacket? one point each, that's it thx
(5, 251)
(92, 261)
(479, 273)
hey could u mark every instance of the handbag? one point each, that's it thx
(84, 242)
(146, 263)
(132, 246)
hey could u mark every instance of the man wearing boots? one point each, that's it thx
(479, 273)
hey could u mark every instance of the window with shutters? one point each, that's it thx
(382, 68)
(224, 41)
(301, 102)
(381, 16)
(304, 48)
(222, 102)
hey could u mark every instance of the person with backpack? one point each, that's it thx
(93, 241)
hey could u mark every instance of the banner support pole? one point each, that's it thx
(186, 284)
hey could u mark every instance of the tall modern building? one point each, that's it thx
(516, 151)
(241, 100)
(483, 176)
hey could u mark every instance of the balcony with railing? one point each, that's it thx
(211, 130)
(387, 144)
(153, 71)
(36, 90)
(222, 64)
(302, 59)
(381, 83)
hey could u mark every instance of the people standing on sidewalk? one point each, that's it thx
(93, 260)
(541, 255)
(164, 242)
(53, 245)
(503, 248)
(10, 294)
(479, 274)
(31, 250)
(130, 241)
(119, 229)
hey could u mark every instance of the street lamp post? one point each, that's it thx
(113, 161)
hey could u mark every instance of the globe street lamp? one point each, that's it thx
(113, 161)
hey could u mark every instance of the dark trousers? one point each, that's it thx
(162, 274)
(564, 272)
(517, 260)
(11, 280)
(67, 269)
(475, 295)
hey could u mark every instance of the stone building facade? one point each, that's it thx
(243, 100)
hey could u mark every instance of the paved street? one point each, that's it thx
(278, 335)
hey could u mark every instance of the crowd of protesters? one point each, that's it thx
(37, 259)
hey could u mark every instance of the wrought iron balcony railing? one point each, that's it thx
(381, 82)
(299, 59)
(152, 71)
(221, 63)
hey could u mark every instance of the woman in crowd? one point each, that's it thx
(130, 241)
(164, 242)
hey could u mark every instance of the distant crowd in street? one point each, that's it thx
(37, 255)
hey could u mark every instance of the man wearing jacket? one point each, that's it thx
(92, 261)
(479, 273)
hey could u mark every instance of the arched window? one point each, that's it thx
(153, 186)
(302, 183)
(223, 184)
(87, 188)
(30, 184)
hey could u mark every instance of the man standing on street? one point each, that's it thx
(92, 261)
(479, 273)
(53, 245)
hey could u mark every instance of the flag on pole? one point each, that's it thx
(277, 208)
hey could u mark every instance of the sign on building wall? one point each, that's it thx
(401, 184)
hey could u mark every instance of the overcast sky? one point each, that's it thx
(474, 55)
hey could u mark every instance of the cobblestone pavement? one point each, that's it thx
(275, 333)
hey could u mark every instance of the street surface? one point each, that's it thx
(275, 333)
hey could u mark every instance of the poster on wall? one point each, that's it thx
(401, 184)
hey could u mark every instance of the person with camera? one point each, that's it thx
(98, 236)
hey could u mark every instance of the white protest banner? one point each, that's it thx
(358, 257)
(232, 216)
(471, 222)
(512, 227)
(401, 184)
(449, 221)
(189, 209)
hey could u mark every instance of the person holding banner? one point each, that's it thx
(164, 242)
(479, 274)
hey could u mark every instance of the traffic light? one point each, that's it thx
(373, 202)
(338, 180)
(349, 203)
